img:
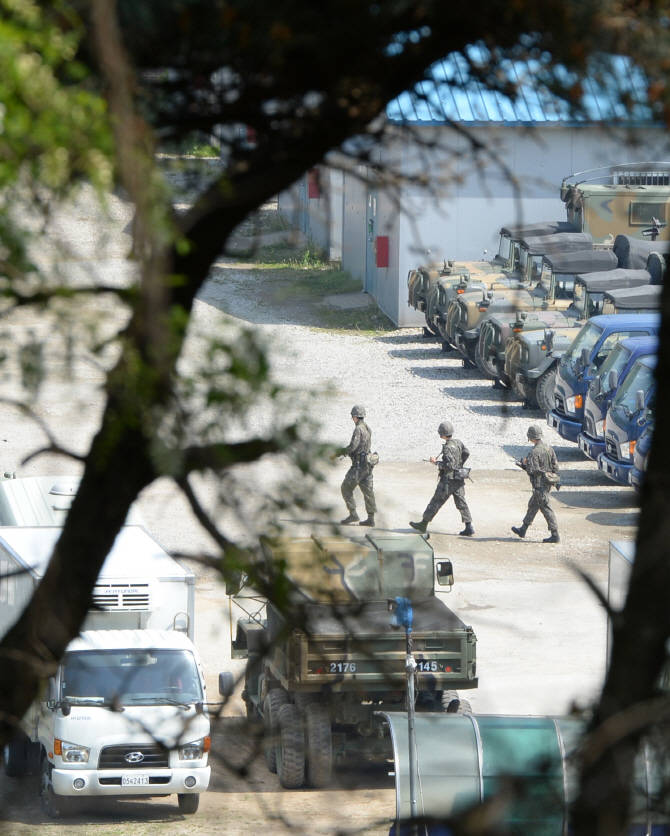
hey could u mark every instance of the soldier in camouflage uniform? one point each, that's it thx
(454, 455)
(360, 472)
(540, 461)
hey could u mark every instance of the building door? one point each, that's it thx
(370, 238)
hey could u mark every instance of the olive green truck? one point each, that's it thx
(319, 682)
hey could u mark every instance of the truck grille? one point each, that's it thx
(114, 757)
(121, 596)
(611, 448)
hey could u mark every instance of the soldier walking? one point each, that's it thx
(541, 466)
(450, 482)
(360, 472)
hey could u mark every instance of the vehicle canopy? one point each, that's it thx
(561, 242)
(541, 228)
(633, 253)
(647, 297)
(601, 281)
(584, 261)
(372, 568)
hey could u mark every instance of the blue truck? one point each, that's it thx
(641, 456)
(582, 362)
(603, 388)
(629, 413)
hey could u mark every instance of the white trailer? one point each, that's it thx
(125, 713)
(42, 500)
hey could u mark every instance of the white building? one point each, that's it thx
(381, 233)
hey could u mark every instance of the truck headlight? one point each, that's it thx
(574, 403)
(71, 752)
(195, 750)
(600, 429)
(626, 449)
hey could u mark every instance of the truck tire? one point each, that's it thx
(465, 707)
(319, 746)
(290, 748)
(55, 806)
(302, 700)
(486, 369)
(273, 702)
(16, 758)
(452, 703)
(544, 392)
(188, 802)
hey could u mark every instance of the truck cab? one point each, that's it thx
(583, 361)
(629, 413)
(603, 388)
(641, 456)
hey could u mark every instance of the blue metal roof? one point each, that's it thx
(452, 94)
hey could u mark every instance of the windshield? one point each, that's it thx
(533, 271)
(587, 338)
(588, 304)
(133, 677)
(505, 249)
(615, 361)
(639, 377)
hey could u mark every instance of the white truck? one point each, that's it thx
(126, 712)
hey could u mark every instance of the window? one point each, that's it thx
(608, 344)
(643, 214)
(587, 338)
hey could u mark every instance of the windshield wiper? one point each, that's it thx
(161, 701)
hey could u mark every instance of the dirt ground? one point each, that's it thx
(541, 633)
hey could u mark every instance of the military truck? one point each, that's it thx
(622, 199)
(531, 360)
(422, 283)
(318, 682)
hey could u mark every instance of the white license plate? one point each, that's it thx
(135, 780)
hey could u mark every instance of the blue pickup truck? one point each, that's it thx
(583, 360)
(603, 389)
(628, 415)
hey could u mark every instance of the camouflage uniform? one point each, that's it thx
(454, 456)
(360, 473)
(540, 460)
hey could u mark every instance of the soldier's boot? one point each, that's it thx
(468, 531)
(553, 539)
(370, 521)
(420, 526)
(520, 531)
(352, 518)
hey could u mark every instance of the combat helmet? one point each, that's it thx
(445, 428)
(534, 432)
(358, 411)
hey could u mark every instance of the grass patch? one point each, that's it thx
(204, 151)
(368, 320)
(320, 283)
(261, 222)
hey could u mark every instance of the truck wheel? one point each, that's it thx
(451, 702)
(319, 746)
(465, 707)
(53, 805)
(544, 393)
(290, 748)
(302, 700)
(188, 802)
(485, 368)
(16, 758)
(273, 702)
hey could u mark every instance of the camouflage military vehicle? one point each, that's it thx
(318, 682)
(531, 359)
(467, 313)
(620, 199)
(421, 283)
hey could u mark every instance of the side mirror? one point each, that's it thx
(65, 707)
(639, 400)
(613, 379)
(585, 356)
(226, 684)
(445, 573)
(549, 340)
(52, 691)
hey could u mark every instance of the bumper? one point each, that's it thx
(63, 779)
(566, 428)
(617, 471)
(636, 478)
(590, 446)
